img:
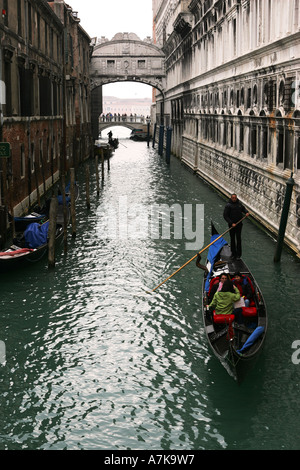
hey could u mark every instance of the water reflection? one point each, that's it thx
(94, 362)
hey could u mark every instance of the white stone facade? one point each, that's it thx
(232, 98)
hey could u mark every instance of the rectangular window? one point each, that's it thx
(141, 64)
(26, 91)
(8, 89)
(29, 23)
(265, 143)
(253, 142)
(241, 137)
(54, 147)
(48, 150)
(288, 151)
(46, 38)
(39, 30)
(19, 13)
(280, 148)
(32, 157)
(22, 161)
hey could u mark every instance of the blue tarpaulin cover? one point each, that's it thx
(213, 253)
(36, 235)
(60, 200)
(252, 338)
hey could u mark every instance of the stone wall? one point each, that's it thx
(232, 98)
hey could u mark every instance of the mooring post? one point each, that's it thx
(72, 191)
(52, 231)
(284, 217)
(97, 175)
(148, 133)
(65, 212)
(168, 147)
(102, 163)
(161, 140)
(87, 186)
(154, 135)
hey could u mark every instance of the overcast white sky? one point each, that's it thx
(108, 17)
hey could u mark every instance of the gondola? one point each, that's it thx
(42, 214)
(23, 251)
(34, 217)
(236, 342)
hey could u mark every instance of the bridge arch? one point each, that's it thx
(129, 125)
(126, 58)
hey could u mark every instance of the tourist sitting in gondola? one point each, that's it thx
(223, 300)
(244, 286)
(216, 285)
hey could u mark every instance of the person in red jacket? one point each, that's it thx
(244, 287)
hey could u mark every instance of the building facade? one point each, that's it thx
(232, 98)
(44, 76)
(31, 78)
(77, 51)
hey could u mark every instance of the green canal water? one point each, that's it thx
(95, 362)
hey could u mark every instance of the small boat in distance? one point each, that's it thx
(236, 342)
(138, 135)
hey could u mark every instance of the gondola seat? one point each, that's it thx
(249, 311)
(223, 319)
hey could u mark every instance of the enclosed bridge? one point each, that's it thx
(125, 58)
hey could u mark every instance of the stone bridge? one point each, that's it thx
(131, 122)
(126, 58)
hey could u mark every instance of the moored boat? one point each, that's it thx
(236, 340)
(31, 245)
(22, 222)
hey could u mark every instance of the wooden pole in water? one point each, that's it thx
(72, 190)
(168, 147)
(102, 163)
(97, 175)
(108, 163)
(154, 135)
(12, 208)
(52, 231)
(87, 186)
(63, 189)
(161, 140)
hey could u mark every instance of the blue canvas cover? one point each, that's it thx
(36, 235)
(252, 338)
(60, 200)
(213, 252)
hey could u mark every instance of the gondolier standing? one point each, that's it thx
(233, 212)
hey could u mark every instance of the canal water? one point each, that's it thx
(93, 361)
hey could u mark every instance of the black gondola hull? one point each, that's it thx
(227, 339)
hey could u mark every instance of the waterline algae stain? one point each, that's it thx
(93, 362)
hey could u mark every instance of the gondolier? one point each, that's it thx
(233, 212)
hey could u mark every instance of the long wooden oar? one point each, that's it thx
(201, 251)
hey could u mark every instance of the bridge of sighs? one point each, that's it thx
(125, 58)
